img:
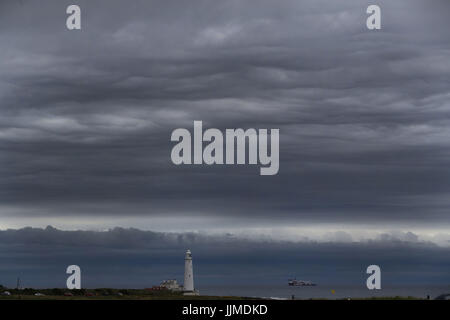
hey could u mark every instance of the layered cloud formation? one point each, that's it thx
(86, 116)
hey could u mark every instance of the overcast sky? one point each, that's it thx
(364, 116)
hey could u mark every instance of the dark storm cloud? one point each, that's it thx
(86, 116)
(134, 258)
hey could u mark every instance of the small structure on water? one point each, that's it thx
(300, 283)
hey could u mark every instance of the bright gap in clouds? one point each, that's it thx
(312, 232)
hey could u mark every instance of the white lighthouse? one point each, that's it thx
(188, 286)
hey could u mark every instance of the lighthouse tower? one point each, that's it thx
(188, 273)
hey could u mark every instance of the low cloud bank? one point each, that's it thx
(134, 258)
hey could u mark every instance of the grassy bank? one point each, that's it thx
(134, 294)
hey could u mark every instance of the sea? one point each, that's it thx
(322, 291)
